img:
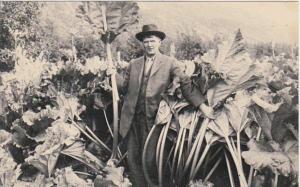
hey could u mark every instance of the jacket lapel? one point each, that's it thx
(156, 64)
(140, 69)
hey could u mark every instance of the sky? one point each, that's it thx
(258, 21)
(272, 21)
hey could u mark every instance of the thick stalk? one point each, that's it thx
(115, 94)
(229, 171)
(146, 171)
(180, 153)
(94, 136)
(100, 143)
(111, 133)
(233, 146)
(195, 170)
(200, 136)
(116, 112)
(242, 179)
(161, 156)
(175, 152)
(159, 145)
(275, 180)
(212, 169)
(197, 153)
(251, 168)
(192, 130)
(238, 136)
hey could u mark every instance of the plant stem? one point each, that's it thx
(192, 130)
(251, 168)
(275, 180)
(239, 148)
(180, 153)
(163, 143)
(100, 143)
(242, 179)
(201, 137)
(229, 171)
(212, 169)
(215, 154)
(111, 132)
(146, 171)
(175, 152)
(107, 123)
(159, 145)
(200, 161)
(233, 145)
(95, 137)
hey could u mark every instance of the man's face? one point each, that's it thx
(151, 44)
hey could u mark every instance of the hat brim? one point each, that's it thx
(141, 35)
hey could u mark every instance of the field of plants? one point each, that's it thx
(57, 105)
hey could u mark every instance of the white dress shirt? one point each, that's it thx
(148, 64)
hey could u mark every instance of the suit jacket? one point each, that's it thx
(163, 70)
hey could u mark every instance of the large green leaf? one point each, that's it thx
(237, 111)
(119, 16)
(233, 63)
(221, 125)
(281, 161)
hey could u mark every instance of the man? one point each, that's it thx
(146, 79)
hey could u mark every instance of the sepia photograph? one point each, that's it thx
(149, 93)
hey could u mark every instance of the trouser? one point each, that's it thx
(135, 145)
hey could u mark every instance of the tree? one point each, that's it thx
(189, 46)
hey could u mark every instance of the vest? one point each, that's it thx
(141, 105)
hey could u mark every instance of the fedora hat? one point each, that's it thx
(148, 30)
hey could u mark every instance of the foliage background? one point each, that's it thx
(36, 35)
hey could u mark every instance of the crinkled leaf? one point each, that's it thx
(237, 69)
(3, 102)
(276, 161)
(40, 181)
(67, 177)
(163, 113)
(268, 107)
(271, 156)
(78, 152)
(173, 87)
(21, 138)
(46, 154)
(119, 16)
(189, 68)
(9, 171)
(45, 162)
(29, 117)
(237, 111)
(5, 138)
(262, 119)
(185, 118)
(221, 125)
(68, 106)
(291, 149)
(222, 89)
(167, 107)
(200, 183)
(285, 93)
(205, 77)
(210, 137)
(115, 174)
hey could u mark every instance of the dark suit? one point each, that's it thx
(163, 70)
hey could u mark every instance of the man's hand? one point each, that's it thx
(111, 70)
(207, 111)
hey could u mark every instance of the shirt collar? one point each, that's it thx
(148, 59)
